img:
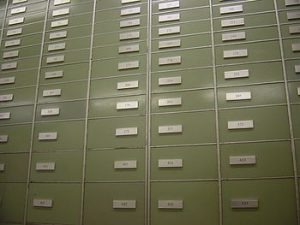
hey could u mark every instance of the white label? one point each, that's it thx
(296, 47)
(2, 167)
(59, 23)
(170, 204)
(56, 47)
(128, 85)
(168, 5)
(3, 138)
(50, 112)
(60, 2)
(236, 74)
(16, 21)
(242, 160)
(54, 74)
(132, 164)
(11, 43)
(130, 23)
(297, 68)
(129, 1)
(57, 35)
(242, 124)
(124, 204)
(14, 32)
(129, 48)
(169, 30)
(127, 105)
(128, 65)
(6, 98)
(10, 54)
(169, 101)
(172, 129)
(169, 17)
(236, 96)
(292, 2)
(45, 166)
(8, 66)
(48, 136)
(298, 90)
(60, 12)
(233, 36)
(231, 9)
(294, 29)
(52, 92)
(4, 115)
(45, 203)
(169, 60)
(7, 80)
(18, 1)
(128, 131)
(169, 81)
(233, 22)
(130, 11)
(170, 163)
(169, 43)
(244, 203)
(293, 15)
(55, 59)
(18, 10)
(130, 35)
(237, 53)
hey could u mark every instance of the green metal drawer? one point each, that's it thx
(15, 167)
(126, 132)
(66, 3)
(121, 51)
(290, 30)
(296, 120)
(121, 106)
(119, 67)
(183, 101)
(181, 59)
(255, 52)
(292, 69)
(291, 48)
(276, 202)
(28, 18)
(22, 52)
(249, 74)
(256, 160)
(182, 79)
(71, 32)
(12, 4)
(30, 8)
(162, 6)
(23, 64)
(196, 128)
(196, 163)
(130, 194)
(58, 166)
(290, 15)
(251, 95)
(294, 90)
(235, 22)
(64, 73)
(65, 140)
(268, 123)
(18, 138)
(26, 29)
(12, 202)
(15, 97)
(120, 86)
(18, 79)
(105, 4)
(61, 111)
(18, 114)
(65, 203)
(116, 165)
(68, 91)
(199, 203)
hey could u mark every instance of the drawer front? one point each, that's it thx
(162, 6)
(21, 64)
(286, 16)
(191, 125)
(287, 4)
(199, 203)
(296, 120)
(24, 41)
(293, 69)
(25, 29)
(30, 18)
(15, 167)
(256, 160)
(290, 30)
(15, 97)
(69, 136)
(66, 3)
(275, 198)
(294, 90)
(54, 203)
(16, 54)
(116, 165)
(30, 8)
(291, 48)
(112, 196)
(117, 133)
(18, 114)
(67, 32)
(196, 163)
(116, 3)
(59, 166)
(268, 123)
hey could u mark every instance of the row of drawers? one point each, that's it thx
(55, 203)
(251, 160)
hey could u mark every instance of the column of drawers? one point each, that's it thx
(115, 164)
(20, 54)
(183, 137)
(58, 141)
(252, 114)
